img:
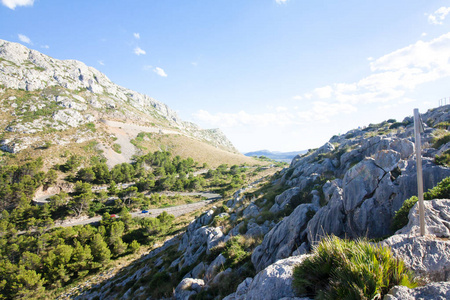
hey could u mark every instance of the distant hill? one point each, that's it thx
(49, 106)
(276, 155)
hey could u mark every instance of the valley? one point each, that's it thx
(106, 193)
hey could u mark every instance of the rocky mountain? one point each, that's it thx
(49, 101)
(276, 155)
(350, 187)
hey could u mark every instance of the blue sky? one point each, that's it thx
(278, 75)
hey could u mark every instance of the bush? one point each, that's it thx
(340, 269)
(441, 141)
(440, 191)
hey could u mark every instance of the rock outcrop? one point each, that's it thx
(274, 282)
(284, 238)
(432, 291)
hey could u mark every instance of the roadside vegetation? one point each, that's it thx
(39, 258)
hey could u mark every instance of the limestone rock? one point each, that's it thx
(432, 291)
(284, 238)
(215, 266)
(188, 287)
(426, 256)
(274, 282)
(251, 211)
(437, 219)
(282, 200)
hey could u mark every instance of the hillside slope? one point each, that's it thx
(46, 102)
(350, 187)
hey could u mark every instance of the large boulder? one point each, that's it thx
(274, 282)
(284, 238)
(437, 219)
(426, 256)
(432, 291)
(283, 200)
(188, 287)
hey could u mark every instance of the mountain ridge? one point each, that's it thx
(44, 97)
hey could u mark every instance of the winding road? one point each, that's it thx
(174, 210)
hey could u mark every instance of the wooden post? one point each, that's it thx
(418, 128)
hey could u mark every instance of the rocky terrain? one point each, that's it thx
(46, 101)
(350, 187)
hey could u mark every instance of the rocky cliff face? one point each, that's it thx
(38, 93)
(350, 187)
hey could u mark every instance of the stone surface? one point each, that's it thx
(432, 291)
(274, 282)
(284, 238)
(427, 256)
(437, 219)
(188, 287)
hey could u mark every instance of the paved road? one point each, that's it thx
(174, 210)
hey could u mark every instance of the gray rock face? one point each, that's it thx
(284, 238)
(437, 219)
(251, 211)
(214, 267)
(359, 182)
(188, 287)
(329, 219)
(282, 200)
(426, 256)
(202, 239)
(274, 282)
(432, 291)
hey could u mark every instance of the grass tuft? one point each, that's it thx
(342, 269)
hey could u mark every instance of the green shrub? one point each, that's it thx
(401, 216)
(341, 269)
(440, 191)
(443, 159)
(441, 141)
(116, 147)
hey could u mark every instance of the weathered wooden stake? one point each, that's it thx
(418, 128)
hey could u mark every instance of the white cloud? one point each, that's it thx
(323, 92)
(394, 74)
(297, 97)
(45, 46)
(13, 3)
(138, 51)
(424, 34)
(319, 113)
(101, 62)
(147, 67)
(160, 72)
(281, 1)
(23, 38)
(137, 35)
(439, 16)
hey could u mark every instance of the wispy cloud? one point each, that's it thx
(101, 62)
(160, 72)
(45, 46)
(12, 4)
(137, 35)
(138, 51)
(391, 77)
(394, 74)
(24, 39)
(281, 1)
(438, 17)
